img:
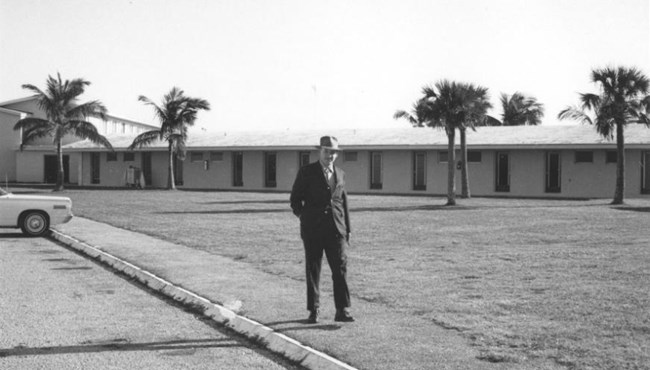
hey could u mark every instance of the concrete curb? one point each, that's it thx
(273, 341)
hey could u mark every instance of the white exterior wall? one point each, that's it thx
(30, 166)
(527, 172)
(9, 144)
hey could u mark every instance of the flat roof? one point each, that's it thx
(570, 136)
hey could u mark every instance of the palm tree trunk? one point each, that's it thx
(451, 168)
(620, 165)
(59, 167)
(171, 183)
(464, 174)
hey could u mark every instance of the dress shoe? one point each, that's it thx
(313, 317)
(343, 316)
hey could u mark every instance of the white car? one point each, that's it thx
(33, 214)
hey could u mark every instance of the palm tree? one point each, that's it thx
(418, 115)
(176, 114)
(519, 110)
(450, 106)
(63, 117)
(622, 99)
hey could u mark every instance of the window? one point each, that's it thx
(111, 157)
(238, 169)
(350, 156)
(584, 156)
(611, 156)
(375, 170)
(303, 159)
(473, 156)
(129, 156)
(196, 156)
(270, 166)
(419, 171)
(216, 156)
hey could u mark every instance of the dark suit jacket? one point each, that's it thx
(313, 201)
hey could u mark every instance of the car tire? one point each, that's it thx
(34, 223)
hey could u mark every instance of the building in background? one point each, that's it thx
(547, 161)
(36, 162)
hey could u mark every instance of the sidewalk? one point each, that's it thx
(277, 303)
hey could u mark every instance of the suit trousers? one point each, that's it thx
(334, 245)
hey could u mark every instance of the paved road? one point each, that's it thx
(61, 311)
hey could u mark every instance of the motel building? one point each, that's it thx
(546, 161)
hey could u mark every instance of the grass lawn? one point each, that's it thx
(561, 280)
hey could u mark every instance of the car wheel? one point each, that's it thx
(35, 223)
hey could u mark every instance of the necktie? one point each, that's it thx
(330, 178)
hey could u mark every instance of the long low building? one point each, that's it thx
(541, 161)
(554, 161)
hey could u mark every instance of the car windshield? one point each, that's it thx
(3, 192)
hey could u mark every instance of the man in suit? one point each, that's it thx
(319, 199)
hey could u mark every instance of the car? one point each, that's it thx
(33, 214)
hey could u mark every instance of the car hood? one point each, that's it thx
(47, 198)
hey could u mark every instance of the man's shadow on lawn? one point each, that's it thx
(304, 326)
(275, 201)
(225, 211)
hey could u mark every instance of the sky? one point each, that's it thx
(285, 64)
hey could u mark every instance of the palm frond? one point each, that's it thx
(400, 114)
(491, 121)
(145, 139)
(429, 92)
(590, 101)
(31, 123)
(32, 129)
(87, 130)
(576, 114)
(89, 109)
(605, 126)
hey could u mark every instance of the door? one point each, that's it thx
(375, 170)
(270, 165)
(553, 171)
(178, 171)
(49, 176)
(419, 171)
(146, 168)
(94, 168)
(503, 172)
(645, 173)
(237, 169)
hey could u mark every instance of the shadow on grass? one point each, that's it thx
(434, 207)
(633, 209)
(225, 211)
(413, 208)
(326, 327)
(274, 201)
(305, 326)
(119, 345)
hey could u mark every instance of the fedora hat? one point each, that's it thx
(329, 142)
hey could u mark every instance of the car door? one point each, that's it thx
(9, 210)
